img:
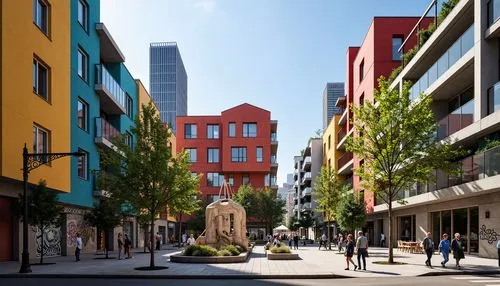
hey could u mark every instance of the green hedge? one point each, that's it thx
(280, 249)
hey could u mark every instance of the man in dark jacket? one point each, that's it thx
(428, 245)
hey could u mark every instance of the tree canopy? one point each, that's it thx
(351, 213)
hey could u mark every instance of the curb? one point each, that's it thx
(180, 277)
(466, 272)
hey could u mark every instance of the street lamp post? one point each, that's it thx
(32, 161)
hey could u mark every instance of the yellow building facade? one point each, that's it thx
(330, 152)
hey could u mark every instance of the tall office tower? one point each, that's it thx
(332, 92)
(168, 81)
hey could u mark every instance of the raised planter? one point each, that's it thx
(282, 256)
(211, 259)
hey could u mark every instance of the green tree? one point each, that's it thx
(105, 216)
(197, 223)
(327, 192)
(270, 208)
(293, 223)
(306, 220)
(247, 198)
(147, 173)
(189, 186)
(43, 211)
(396, 141)
(351, 213)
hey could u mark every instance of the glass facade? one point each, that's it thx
(494, 98)
(447, 60)
(464, 221)
(168, 81)
(332, 92)
(493, 11)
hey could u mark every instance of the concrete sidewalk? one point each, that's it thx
(314, 263)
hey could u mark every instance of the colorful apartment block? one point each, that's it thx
(238, 146)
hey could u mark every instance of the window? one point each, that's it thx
(361, 70)
(362, 99)
(250, 130)
(128, 139)
(190, 131)
(41, 15)
(260, 156)
(83, 165)
(214, 179)
(83, 115)
(191, 154)
(129, 106)
(245, 179)
(232, 129)
(329, 164)
(213, 131)
(397, 41)
(213, 155)
(230, 179)
(83, 65)
(238, 154)
(40, 79)
(329, 141)
(83, 12)
(40, 141)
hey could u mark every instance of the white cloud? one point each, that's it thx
(207, 6)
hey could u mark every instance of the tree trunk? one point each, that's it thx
(152, 250)
(389, 235)
(180, 229)
(41, 247)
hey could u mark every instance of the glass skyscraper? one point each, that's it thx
(330, 95)
(168, 81)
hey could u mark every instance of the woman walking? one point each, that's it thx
(458, 250)
(120, 246)
(349, 252)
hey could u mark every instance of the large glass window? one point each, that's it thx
(213, 131)
(41, 15)
(407, 228)
(83, 13)
(474, 229)
(464, 221)
(232, 129)
(230, 179)
(460, 224)
(493, 11)
(397, 41)
(190, 131)
(83, 65)
(192, 154)
(238, 154)
(213, 155)
(129, 106)
(82, 115)
(494, 98)
(128, 139)
(214, 179)
(40, 141)
(40, 79)
(245, 179)
(260, 154)
(249, 129)
(83, 165)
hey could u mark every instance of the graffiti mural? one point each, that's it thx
(86, 232)
(488, 234)
(51, 241)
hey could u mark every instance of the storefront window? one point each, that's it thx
(464, 220)
(446, 223)
(460, 225)
(436, 227)
(407, 228)
(474, 229)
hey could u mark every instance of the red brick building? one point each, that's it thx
(377, 56)
(239, 146)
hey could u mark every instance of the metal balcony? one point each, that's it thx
(345, 164)
(306, 192)
(112, 95)
(105, 133)
(307, 178)
(110, 52)
(306, 166)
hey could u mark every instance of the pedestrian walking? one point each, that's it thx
(120, 246)
(184, 239)
(349, 252)
(290, 241)
(341, 240)
(382, 240)
(191, 240)
(126, 246)
(444, 248)
(362, 248)
(498, 249)
(158, 241)
(428, 245)
(296, 241)
(458, 250)
(79, 246)
(322, 241)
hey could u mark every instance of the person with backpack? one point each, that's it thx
(444, 248)
(428, 246)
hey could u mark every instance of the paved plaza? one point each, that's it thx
(314, 263)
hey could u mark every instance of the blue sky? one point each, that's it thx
(276, 54)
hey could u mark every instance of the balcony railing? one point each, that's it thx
(447, 60)
(493, 11)
(494, 97)
(344, 159)
(104, 129)
(274, 159)
(104, 78)
(306, 192)
(342, 132)
(461, 118)
(306, 206)
(274, 137)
